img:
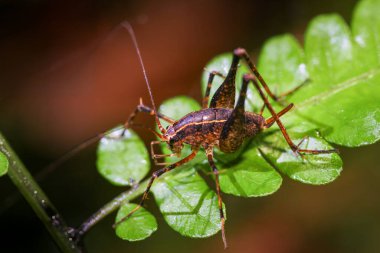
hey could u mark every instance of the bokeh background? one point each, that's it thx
(64, 77)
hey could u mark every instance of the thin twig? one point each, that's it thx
(44, 209)
(108, 208)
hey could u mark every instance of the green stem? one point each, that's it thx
(109, 208)
(39, 202)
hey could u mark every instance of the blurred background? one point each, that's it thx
(64, 77)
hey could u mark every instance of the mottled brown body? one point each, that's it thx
(203, 128)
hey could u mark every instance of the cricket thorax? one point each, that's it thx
(203, 128)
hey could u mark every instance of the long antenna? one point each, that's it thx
(129, 28)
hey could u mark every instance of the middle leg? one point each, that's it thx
(210, 157)
(155, 175)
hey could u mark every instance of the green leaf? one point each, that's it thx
(342, 99)
(329, 52)
(311, 169)
(122, 160)
(3, 164)
(250, 176)
(138, 226)
(365, 31)
(189, 206)
(282, 63)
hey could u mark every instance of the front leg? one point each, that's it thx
(143, 108)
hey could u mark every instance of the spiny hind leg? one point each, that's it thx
(241, 53)
(270, 121)
(233, 131)
(280, 97)
(276, 118)
(224, 96)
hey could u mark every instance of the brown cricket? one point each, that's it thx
(220, 124)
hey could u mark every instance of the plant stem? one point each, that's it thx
(109, 208)
(39, 202)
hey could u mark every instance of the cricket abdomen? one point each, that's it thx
(200, 128)
(203, 128)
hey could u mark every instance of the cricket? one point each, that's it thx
(219, 124)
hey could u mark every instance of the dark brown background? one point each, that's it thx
(64, 78)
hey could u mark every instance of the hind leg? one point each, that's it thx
(276, 118)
